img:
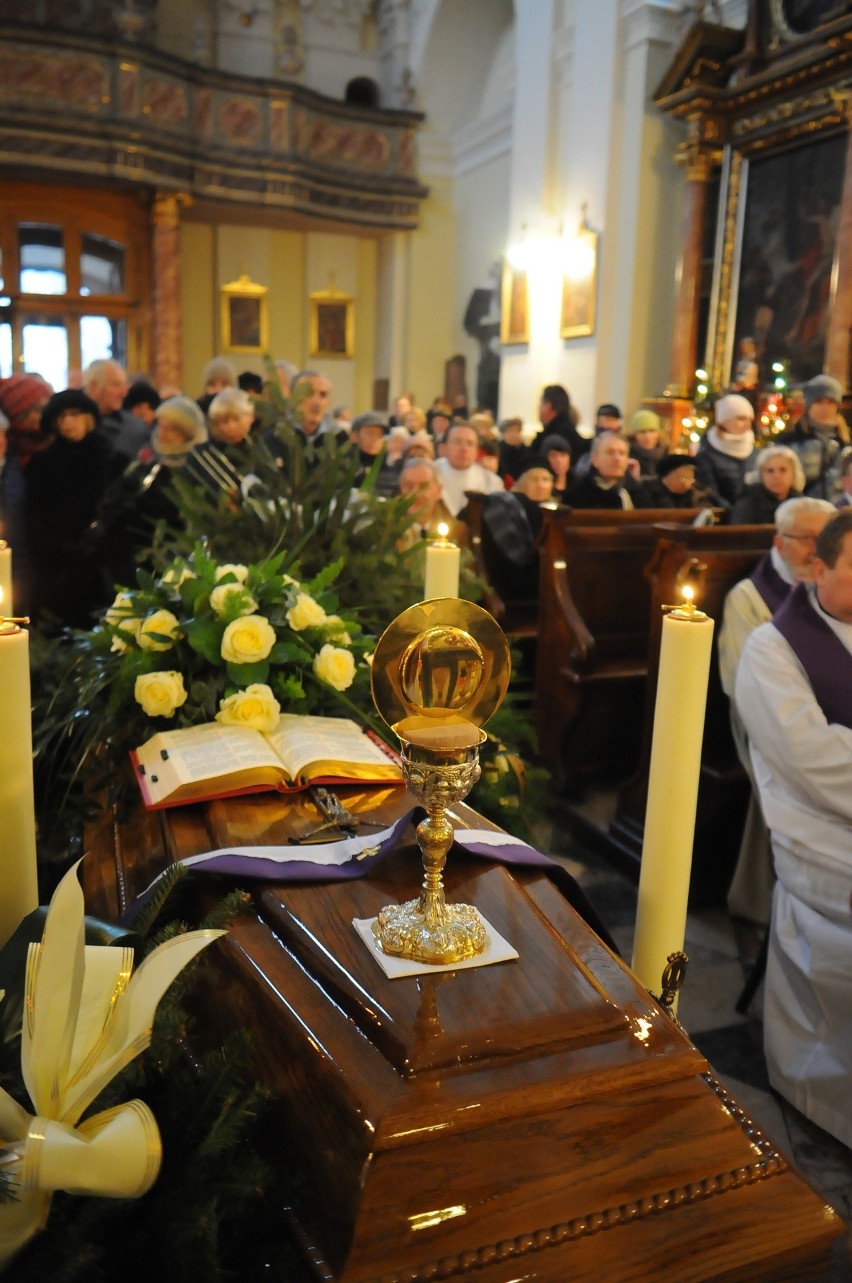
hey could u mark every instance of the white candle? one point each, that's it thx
(18, 870)
(442, 566)
(670, 812)
(6, 604)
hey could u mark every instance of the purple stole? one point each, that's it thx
(826, 661)
(769, 584)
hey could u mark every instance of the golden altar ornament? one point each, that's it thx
(439, 672)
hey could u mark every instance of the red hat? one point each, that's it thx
(23, 392)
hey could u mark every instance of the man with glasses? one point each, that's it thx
(752, 602)
(794, 694)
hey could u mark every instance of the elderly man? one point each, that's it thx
(459, 470)
(819, 436)
(607, 484)
(749, 604)
(794, 694)
(105, 382)
(310, 396)
(420, 481)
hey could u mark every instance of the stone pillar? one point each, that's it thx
(167, 321)
(838, 339)
(688, 280)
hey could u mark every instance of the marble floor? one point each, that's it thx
(721, 953)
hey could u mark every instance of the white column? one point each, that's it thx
(392, 303)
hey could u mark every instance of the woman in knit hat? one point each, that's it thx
(643, 432)
(22, 399)
(727, 451)
(819, 436)
(64, 485)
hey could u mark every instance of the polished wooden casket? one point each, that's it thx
(536, 1120)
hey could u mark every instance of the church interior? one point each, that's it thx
(625, 225)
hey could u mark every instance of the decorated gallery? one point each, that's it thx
(426, 641)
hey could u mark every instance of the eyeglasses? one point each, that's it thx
(802, 538)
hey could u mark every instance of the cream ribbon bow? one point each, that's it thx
(86, 1016)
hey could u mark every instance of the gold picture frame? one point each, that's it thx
(579, 285)
(332, 325)
(245, 316)
(514, 305)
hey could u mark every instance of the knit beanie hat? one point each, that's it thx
(70, 399)
(185, 415)
(22, 392)
(643, 421)
(820, 386)
(728, 407)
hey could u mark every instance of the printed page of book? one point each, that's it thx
(201, 760)
(330, 745)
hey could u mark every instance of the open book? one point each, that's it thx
(203, 762)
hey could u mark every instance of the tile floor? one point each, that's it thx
(721, 952)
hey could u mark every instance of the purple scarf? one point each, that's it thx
(826, 661)
(769, 583)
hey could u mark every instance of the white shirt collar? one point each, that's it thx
(781, 566)
(840, 630)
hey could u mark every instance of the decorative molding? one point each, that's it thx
(483, 140)
(733, 217)
(648, 20)
(70, 106)
(434, 154)
(769, 1163)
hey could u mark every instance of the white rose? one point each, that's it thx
(161, 622)
(239, 572)
(335, 666)
(220, 595)
(305, 613)
(160, 694)
(247, 640)
(255, 707)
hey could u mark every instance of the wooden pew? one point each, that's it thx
(721, 556)
(517, 616)
(593, 639)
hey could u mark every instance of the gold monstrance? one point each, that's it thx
(440, 670)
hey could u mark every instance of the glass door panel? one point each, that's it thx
(102, 338)
(6, 364)
(44, 347)
(41, 250)
(101, 266)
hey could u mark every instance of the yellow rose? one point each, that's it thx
(247, 640)
(305, 613)
(335, 666)
(255, 707)
(160, 622)
(160, 694)
(335, 630)
(121, 610)
(126, 628)
(220, 595)
(239, 572)
(176, 575)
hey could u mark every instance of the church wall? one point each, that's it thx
(430, 312)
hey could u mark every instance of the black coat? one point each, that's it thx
(756, 506)
(585, 493)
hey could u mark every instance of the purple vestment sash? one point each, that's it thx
(826, 661)
(769, 583)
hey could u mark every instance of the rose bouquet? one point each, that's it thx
(203, 641)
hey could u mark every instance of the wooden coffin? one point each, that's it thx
(538, 1120)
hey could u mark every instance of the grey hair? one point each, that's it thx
(431, 464)
(603, 437)
(93, 375)
(787, 512)
(219, 368)
(782, 452)
(230, 401)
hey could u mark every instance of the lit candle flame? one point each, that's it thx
(688, 593)
(443, 530)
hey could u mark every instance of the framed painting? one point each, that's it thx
(514, 306)
(579, 285)
(332, 324)
(787, 256)
(245, 317)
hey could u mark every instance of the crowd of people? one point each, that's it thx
(90, 470)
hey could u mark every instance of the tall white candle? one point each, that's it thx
(672, 793)
(6, 603)
(18, 870)
(442, 566)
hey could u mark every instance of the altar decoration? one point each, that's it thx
(18, 870)
(86, 1018)
(684, 670)
(439, 672)
(442, 566)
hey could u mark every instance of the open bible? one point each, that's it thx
(203, 762)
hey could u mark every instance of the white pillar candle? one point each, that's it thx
(442, 566)
(6, 603)
(18, 870)
(672, 793)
